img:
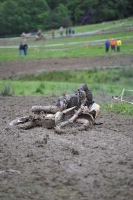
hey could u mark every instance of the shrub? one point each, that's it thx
(7, 91)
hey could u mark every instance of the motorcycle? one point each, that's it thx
(61, 121)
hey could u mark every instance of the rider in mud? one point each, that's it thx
(80, 104)
(89, 97)
(82, 97)
(84, 116)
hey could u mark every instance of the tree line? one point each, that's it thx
(17, 16)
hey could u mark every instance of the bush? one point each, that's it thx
(7, 91)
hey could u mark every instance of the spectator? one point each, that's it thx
(61, 31)
(66, 31)
(21, 48)
(69, 30)
(113, 44)
(107, 45)
(73, 32)
(53, 33)
(39, 32)
(25, 48)
(118, 44)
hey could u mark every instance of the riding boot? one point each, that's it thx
(19, 121)
(27, 125)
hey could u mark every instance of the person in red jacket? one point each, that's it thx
(53, 33)
(113, 44)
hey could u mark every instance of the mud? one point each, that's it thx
(39, 164)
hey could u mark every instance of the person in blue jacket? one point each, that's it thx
(107, 45)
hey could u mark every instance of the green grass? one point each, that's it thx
(92, 76)
(118, 108)
(127, 35)
(100, 26)
(28, 88)
(34, 88)
(107, 82)
(82, 50)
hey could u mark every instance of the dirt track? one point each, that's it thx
(39, 164)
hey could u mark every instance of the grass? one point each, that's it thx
(118, 108)
(109, 82)
(118, 25)
(34, 88)
(28, 88)
(11, 42)
(96, 75)
(82, 50)
(103, 25)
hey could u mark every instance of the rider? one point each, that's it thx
(82, 97)
(50, 116)
(89, 97)
(85, 115)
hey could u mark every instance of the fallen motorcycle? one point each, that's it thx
(61, 121)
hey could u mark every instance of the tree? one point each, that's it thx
(82, 12)
(37, 12)
(17, 16)
(59, 17)
(63, 16)
(8, 17)
(54, 4)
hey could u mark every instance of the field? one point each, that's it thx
(39, 164)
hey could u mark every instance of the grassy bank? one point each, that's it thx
(107, 81)
(102, 83)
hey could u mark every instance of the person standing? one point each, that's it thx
(69, 30)
(118, 44)
(53, 34)
(21, 48)
(113, 44)
(73, 32)
(107, 45)
(25, 48)
(61, 31)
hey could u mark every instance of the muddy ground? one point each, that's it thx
(39, 164)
